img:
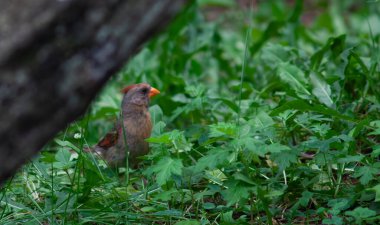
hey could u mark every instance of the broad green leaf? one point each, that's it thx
(213, 159)
(375, 123)
(366, 174)
(303, 201)
(195, 91)
(232, 105)
(227, 218)
(235, 192)
(255, 146)
(375, 132)
(166, 195)
(295, 78)
(277, 148)
(67, 144)
(284, 158)
(215, 176)
(165, 168)
(284, 116)
(376, 151)
(360, 213)
(63, 159)
(209, 205)
(158, 128)
(338, 205)
(351, 158)
(334, 220)
(321, 90)
(244, 178)
(161, 139)
(377, 192)
(321, 129)
(223, 129)
(156, 114)
(261, 120)
(275, 53)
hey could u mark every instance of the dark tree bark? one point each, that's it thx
(55, 55)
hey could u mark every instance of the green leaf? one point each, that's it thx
(261, 120)
(375, 132)
(295, 78)
(243, 178)
(275, 54)
(272, 30)
(213, 159)
(321, 90)
(351, 158)
(227, 218)
(277, 148)
(334, 220)
(235, 192)
(255, 146)
(360, 213)
(223, 129)
(321, 129)
(297, 12)
(366, 174)
(316, 59)
(156, 113)
(284, 158)
(209, 205)
(305, 107)
(376, 151)
(376, 189)
(338, 205)
(63, 159)
(165, 168)
(161, 139)
(303, 201)
(158, 128)
(67, 144)
(232, 105)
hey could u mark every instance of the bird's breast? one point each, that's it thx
(138, 125)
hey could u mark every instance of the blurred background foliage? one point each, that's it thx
(268, 114)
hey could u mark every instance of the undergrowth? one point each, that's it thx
(268, 114)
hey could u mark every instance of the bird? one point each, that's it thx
(131, 129)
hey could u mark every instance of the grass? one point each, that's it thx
(268, 115)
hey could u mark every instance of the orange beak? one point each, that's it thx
(153, 92)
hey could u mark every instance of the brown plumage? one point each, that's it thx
(137, 127)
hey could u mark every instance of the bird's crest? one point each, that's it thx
(127, 88)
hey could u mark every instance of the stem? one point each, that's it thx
(339, 179)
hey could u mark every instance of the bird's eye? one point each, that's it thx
(144, 90)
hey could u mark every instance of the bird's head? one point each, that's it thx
(139, 94)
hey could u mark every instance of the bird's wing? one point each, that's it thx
(109, 140)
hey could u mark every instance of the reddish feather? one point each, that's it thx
(127, 88)
(109, 140)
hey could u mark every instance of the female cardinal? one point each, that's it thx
(137, 127)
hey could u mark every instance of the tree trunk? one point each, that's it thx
(55, 55)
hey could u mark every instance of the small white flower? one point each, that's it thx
(77, 135)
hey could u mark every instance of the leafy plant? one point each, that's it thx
(268, 115)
